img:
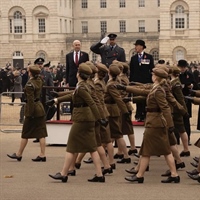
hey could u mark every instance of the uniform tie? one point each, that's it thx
(76, 58)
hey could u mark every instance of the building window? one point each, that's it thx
(122, 3)
(158, 25)
(122, 26)
(141, 3)
(158, 3)
(94, 57)
(84, 3)
(84, 27)
(41, 25)
(102, 3)
(179, 55)
(141, 25)
(103, 26)
(179, 17)
(10, 25)
(18, 22)
(155, 55)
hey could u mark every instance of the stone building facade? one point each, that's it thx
(33, 28)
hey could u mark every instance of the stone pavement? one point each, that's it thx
(30, 180)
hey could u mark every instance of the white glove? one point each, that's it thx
(104, 40)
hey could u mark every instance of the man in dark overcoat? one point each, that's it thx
(141, 66)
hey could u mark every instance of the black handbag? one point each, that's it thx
(50, 112)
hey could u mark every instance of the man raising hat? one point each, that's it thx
(108, 49)
(141, 66)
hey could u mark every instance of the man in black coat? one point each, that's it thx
(141, 66)
(73, 60)
(108, 49)
(188, 83)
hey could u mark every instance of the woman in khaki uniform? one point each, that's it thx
(100, 87)
(35, 124)
(176, 89)
(157, 125)
(82, 133)
(127, 126)
(115, 105)
(100, 149)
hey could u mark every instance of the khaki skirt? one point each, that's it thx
(34, 128)
(82, 138)
(155, 142)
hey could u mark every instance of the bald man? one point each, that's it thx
(73, 60)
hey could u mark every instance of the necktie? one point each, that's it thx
(139, 57)
(76, 58)
(111, 48)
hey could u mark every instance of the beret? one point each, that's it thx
(160, 72)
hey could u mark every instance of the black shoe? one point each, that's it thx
(124, 160)
(184, 154)
(180, 165)
(194, 164)
(136, 155)
(107, 171)
(100, 179)
(132, 151)
(71, 173)
(113, 166)
(77, 165)
(58, 176)
(135, 162)
(167, 173)
(193, 172)
(14, 156)
(196, 159)
(194, 177)
(38, 159)
(131, 171)
(171, 179)
(120, 156)
(88, 161)
(36, 140)
(134, 178)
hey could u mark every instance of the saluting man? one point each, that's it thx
(108, 49)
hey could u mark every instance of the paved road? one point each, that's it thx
(31, 182)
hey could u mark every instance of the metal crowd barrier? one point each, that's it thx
(10, 113)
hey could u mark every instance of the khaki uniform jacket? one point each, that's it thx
(32, 91)
(95, 98)
(113, 100)
(100, 87)
(81, 96)
(156, 100)
(176, 89)
(125, 81)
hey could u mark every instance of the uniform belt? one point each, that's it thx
(79, 105)
(35, 100)
(153, 110)
(110, 102)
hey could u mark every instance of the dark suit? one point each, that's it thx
(108, 55)
(72, 68)
(186, 80)
(140, 71)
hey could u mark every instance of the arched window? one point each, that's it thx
(155, 55)
(41, 54)
(179, 15)
(179, 55)
(17, 21)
